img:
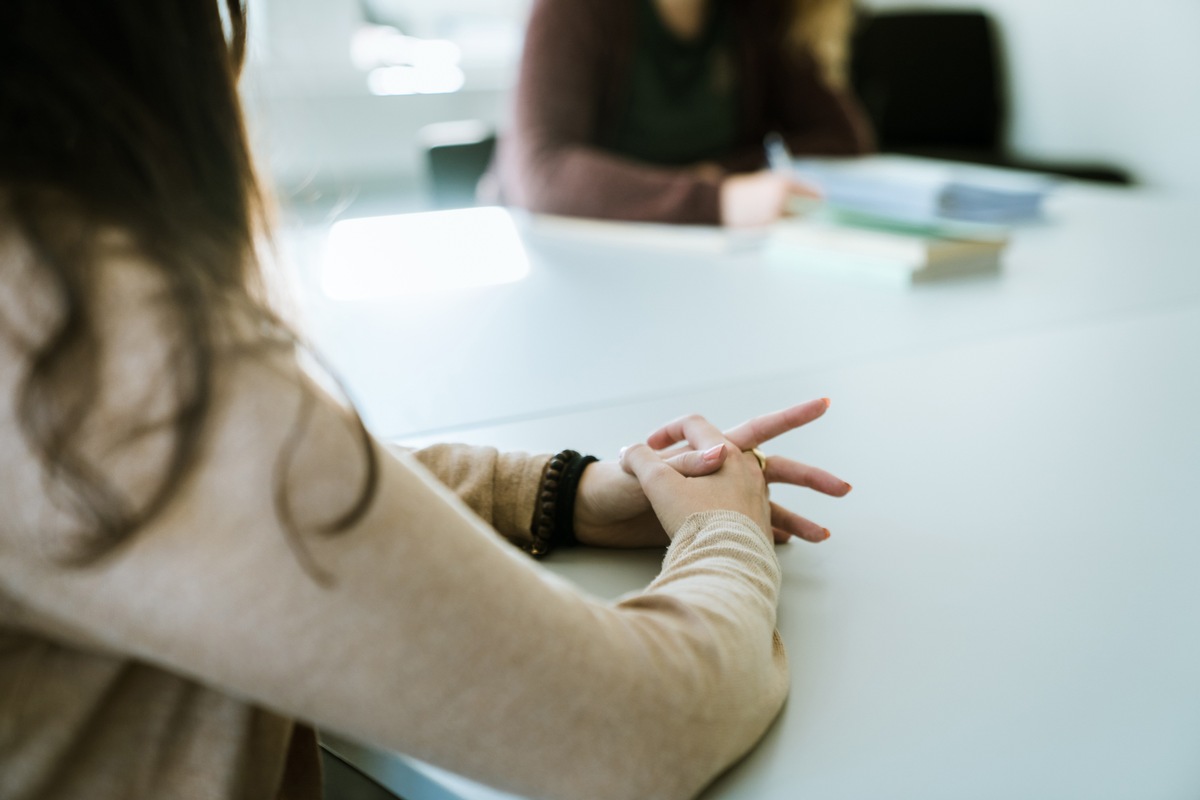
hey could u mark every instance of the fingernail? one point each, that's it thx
(621, 454)
(827, 534)
(713, 453)
(848, 486)
(828, 402)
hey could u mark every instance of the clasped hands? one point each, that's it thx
(690, 465)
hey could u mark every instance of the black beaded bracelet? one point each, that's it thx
(554, 519)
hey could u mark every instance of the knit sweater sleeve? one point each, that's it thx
(416, 629)
(435, 639)
(814, 116)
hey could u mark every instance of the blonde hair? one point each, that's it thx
(822, 27)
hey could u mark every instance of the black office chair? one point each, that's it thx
(932, 83)
(457, 155)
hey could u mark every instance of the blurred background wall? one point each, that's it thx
(338, 101)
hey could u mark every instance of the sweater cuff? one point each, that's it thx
(737, 532)
(698, 522)
(500, 487)
(517, 478)
(706, 204)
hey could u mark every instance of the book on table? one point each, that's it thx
(821, 239)
(862, 246)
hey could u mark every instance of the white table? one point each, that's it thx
(1008, 605)
(597, 323)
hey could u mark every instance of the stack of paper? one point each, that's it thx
(920, 191)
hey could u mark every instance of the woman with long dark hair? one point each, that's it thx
(203, 555)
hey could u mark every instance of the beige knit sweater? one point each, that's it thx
(177, 666)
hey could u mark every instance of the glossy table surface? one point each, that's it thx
(1008, 605)
(598, 320)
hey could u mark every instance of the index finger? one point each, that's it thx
(647, 465)
(802, 188)
(754, 432)
(695, 429)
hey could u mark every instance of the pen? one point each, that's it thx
(779, 158)
(781, 162)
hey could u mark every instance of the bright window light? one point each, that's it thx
(412, 254)
(400, 64)
(415, 80)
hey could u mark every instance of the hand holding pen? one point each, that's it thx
(760, 198)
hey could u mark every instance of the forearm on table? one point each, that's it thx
(579, 179)
(816, 118)
(840, 134)
(650, 697)
(433, 639)
(843, 135)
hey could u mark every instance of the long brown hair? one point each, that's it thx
(823, 27)
(125, 114)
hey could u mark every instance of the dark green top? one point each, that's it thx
(681, 98)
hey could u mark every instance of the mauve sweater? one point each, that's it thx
(574, 70)
(194, 660)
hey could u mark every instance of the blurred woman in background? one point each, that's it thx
(656, 110)
(204, 555)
